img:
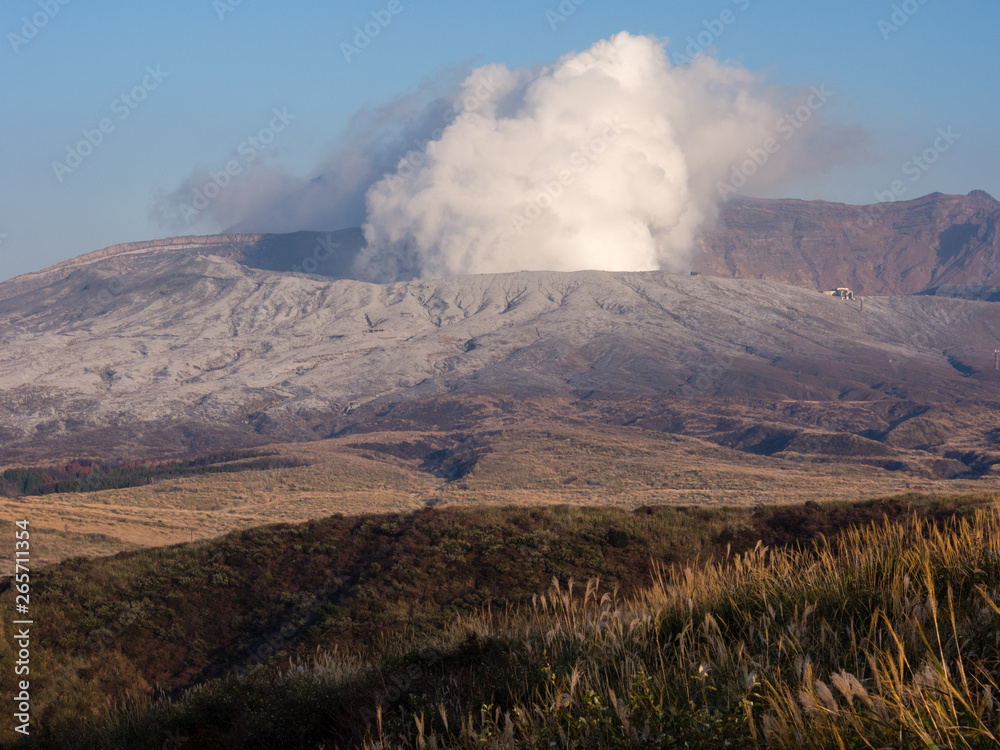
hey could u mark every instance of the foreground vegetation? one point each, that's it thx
(873, 625)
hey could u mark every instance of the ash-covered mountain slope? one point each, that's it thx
(202, 348)
(330, 254)
(900, 247)
(945, 244)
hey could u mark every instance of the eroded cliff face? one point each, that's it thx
(904, 247)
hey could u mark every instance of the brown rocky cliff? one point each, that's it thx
(903, 247)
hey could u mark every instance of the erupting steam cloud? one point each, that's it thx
(609, 159)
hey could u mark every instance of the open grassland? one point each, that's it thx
(870, 624)
(629, 468)
(192, 508)
(563, 463)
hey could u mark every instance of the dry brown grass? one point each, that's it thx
(591, 464)
(882, 635)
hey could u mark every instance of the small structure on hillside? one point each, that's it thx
(841, 291)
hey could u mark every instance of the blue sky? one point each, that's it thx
(211, 72)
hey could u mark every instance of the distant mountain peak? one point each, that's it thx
(982, 195)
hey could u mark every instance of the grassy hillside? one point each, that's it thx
(297, 634)
(531, 461)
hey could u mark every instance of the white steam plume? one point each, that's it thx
(608, 159)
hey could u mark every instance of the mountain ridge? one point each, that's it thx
(903, 247)
(227, 342)
(332, 252)
(209, 347)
